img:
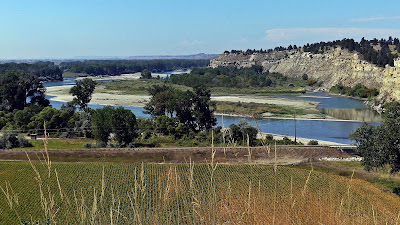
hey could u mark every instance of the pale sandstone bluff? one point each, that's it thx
(333, 67)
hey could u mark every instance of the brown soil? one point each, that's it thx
(285, 155)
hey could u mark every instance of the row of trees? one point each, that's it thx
(365, 47)
(45, 71)
(20, 89)
(233, 77)
(118, 67)
(358, 90)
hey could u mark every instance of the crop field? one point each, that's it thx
(116, 193)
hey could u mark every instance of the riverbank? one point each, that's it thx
(300, 139)
(102, 96)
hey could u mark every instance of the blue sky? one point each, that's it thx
(65, 29)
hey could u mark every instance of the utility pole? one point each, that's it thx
(295, 137)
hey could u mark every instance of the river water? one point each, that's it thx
(334, 131)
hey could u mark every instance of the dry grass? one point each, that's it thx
(68, 193)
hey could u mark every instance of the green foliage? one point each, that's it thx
(118, 67)
(10, 140)
(44, 71)
(83, 91)
(102, 123)
(120, 122)
(365, 48)
(192, 108)
(255, 109)
(124, 126)
(312, 142)
(358, 90)
(380, 145)
(240, 132)
(17, 87)
(231, 77)
(55, 120)
(145, 74)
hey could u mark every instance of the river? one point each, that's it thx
(326, 130)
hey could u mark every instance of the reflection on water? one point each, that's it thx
(364, 115)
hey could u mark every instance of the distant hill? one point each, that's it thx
(196, 56)
(146, 57)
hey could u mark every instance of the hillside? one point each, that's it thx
(331, 66)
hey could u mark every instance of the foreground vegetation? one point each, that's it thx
(186, 194)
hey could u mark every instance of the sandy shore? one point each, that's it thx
(99, 97)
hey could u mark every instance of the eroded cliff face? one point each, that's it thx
(333, 67)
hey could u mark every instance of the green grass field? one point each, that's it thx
(61, 143)
(112, 193)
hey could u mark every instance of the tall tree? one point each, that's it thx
(124, 126)
(381, 145)
(161, 100)
(101, 121)
(203, 108)
(83, 91)
(145, 74)
(17, 88)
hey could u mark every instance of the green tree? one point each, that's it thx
(145, 74)
(161, 100)
(124, 126)
(83, 91)
(101, 121)
(380, 145)
(203, 108)
(18, 87)
(55, 119)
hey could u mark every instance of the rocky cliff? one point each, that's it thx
(332, 67)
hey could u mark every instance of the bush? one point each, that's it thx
(313, 142)
(101, 144)
(396, 190)
(87, 145)
(269, 137)
(23, 142)
(131, 145)
(12, 140)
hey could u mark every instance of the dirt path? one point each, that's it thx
(284, 155)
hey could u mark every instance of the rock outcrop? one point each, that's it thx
(332, 67)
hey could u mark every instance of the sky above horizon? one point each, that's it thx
(66, 29)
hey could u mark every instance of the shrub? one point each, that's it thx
(87, 145)
(269, 137)
(396, 190)
(12, 140)
(313, 142)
